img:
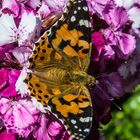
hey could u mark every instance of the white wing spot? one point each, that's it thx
(73, 121)
(85, 8)
(87, 119)
(73, 18)
(75, 12)
(86, 130)
(76, 126)
(84, 23)
(79, 8)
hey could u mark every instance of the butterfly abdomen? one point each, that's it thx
(54, 74)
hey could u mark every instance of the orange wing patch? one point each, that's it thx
(75, 47)
(43, 53)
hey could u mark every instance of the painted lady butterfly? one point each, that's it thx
(59, 64)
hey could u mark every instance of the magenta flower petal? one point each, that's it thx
(121, 42)
(127, 43)
(34, 3)
(54, 128)
(100, 47)
(13, 76)
(3, 77)
(7, 136)
(18, 116)
(5, 49)
(9, 89)
(12, 5)
(50, 129)
(98, 41)
(109, 52)
(96, 6)
(55, 5)
(22, 54)
(42, 133)
(44, 10)
(117, 17)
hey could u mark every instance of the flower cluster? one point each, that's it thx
(115, 62)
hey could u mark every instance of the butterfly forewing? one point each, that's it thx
(71, 35)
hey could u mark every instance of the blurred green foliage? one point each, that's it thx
(125, 124)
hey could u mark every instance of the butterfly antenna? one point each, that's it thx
(117, 106)
(110, 70)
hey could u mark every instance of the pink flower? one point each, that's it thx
(7, 136)
(23, 34)
(44, 10)
(3, 78)
(122, 43)
(97, 6)
(55, 5)
(134, 13)
(22, 54)
(50, 129)
(8, 79)
(100, 47)
(5, 49)
(11, 5)
(19, 116)
(116, 17)
(33, 3)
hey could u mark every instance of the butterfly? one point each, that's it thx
(59, 64)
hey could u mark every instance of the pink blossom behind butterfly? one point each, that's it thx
(3, 78)
(97, 6)
(7, 136)
(55, 5)
(22, 54)
(19, 116)
(114, 34)
(134, 13)
(8, 79)
(100, 47)
(33, 3)
(50, 129)
(25, 32)
(44, 10)
(11, 5)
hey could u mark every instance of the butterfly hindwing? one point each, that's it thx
(70, 104)
(73, 107)
(43, 89)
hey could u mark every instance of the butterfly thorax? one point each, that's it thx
(80, 78)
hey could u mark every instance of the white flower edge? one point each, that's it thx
(21, 86)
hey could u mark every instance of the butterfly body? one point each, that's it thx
(65, 76)
(59, 63)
